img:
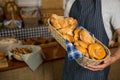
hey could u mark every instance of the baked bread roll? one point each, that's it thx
(81, 43)
(55, 21)
(63, 23)
(2, 55)
(66, 31)
(69, 38)
(83, 50)
(86, 37)
(76, 34)
(96, 51)
(72, 22)
(56, 24)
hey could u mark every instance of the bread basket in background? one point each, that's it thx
(81, 61)
(17, 51)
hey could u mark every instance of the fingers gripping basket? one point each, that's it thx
(81, 61)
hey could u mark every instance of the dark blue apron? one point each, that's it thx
(89, 15)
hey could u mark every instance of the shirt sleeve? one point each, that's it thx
(68, 7)
(115, 19)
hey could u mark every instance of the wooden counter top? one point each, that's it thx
(13, 64)
(50, 53)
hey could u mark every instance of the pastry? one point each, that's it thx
(63, 23)
(55, 21)
(81, 43)
(66, 30)
(72, 22)
(20, 51)
(96, 51)
(86, 37)
(56, 24)
(83, 50)
(76, 34)
(69, 38)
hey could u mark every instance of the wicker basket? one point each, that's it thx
(81, 61)
(85, 61)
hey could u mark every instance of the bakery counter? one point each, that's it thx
(49, 70)
(13, 64)
(51, 51)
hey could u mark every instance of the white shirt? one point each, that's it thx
(110, 14)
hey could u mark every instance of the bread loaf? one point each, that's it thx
(2, 55)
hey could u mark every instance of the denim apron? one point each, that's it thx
(89, 15)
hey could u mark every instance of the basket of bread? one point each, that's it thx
(80, 44)
(30, 54)
(18, 51)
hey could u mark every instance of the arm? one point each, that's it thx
(117, 53)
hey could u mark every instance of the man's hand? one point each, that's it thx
(106, 63)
